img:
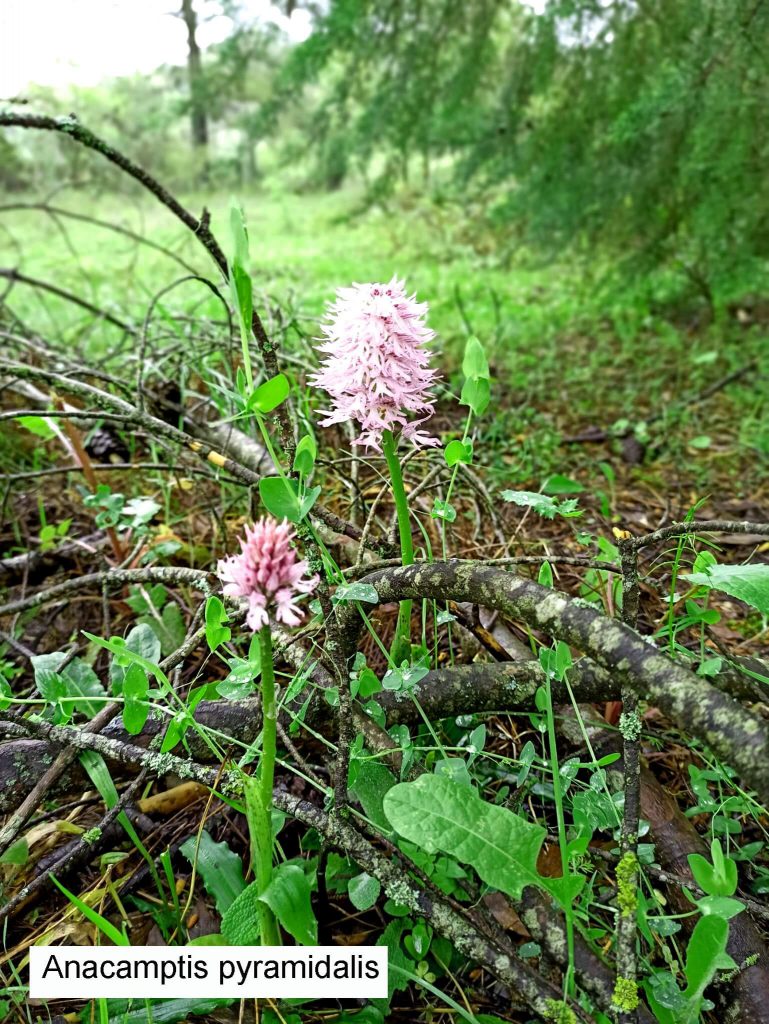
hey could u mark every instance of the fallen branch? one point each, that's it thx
(698, 708)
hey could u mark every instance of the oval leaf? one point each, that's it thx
(441, 816)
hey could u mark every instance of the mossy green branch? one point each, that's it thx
(625, 997)
(627, 892)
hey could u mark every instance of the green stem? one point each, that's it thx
(402, 643)
(263, 816)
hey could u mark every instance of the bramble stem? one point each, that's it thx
(263, 816)
(402, 643)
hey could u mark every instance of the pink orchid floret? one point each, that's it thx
(376, 363)
(268, 573)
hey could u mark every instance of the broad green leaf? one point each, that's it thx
(474, 363)
(545, 576)
(372, 782)
(364, 683)
(175, 731)
(441, 816)
(722, 906)
(270, 394)
(125, 656)
(458, 451)
(220, 869)
(544, 505)
(363, 891)
(77, 679)
(217, 632)
(748, 583)
(240, 922)
(404, 678)
(135, 707)
(308, 501)
(17, 853)
(559, 484)
(280, 498)
(289, 898)
(37, 425)
(476, 394)
(718, 878)
(704, 956)
(141, 640)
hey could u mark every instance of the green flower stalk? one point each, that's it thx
(402, 644)
(268, 574)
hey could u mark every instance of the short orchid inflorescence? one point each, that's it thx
(376, 366)
(268, 573)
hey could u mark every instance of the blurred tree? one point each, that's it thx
(637, 123)
(198, 116)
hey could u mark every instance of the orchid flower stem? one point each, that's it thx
(263, 817)
(401, 649)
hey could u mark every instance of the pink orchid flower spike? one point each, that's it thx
(267, 573)
(376, 363)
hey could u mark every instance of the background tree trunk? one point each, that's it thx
(198, 119)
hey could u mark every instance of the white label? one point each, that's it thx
(172, 972)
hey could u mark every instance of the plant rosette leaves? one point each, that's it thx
(441, 816)
(287, 895)
(220, 868)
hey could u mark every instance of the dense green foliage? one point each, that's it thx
(636, 125)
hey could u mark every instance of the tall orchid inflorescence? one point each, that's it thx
(267, 573)
(376, 363)
(376, 369)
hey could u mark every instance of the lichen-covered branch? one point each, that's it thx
(692, 703)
